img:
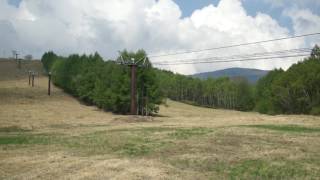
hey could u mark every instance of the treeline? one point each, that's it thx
(295, 91)
(105, 84)
(217, 93)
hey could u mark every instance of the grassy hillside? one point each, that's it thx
(9, 68)
(57, 137)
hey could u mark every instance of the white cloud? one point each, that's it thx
(299, 3)
(84, 26)
(304, 22)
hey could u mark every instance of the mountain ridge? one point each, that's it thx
(252, 75)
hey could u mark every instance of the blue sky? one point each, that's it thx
(188, 6)
(253, 7)
(14, 2)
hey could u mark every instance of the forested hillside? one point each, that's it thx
(107, 85)
(251, 75)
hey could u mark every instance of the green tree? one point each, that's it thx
(315, 53)
(264, 96)
(48, 60)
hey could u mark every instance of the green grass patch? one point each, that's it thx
(6, 140)
(196, 164)
(140, 141)
(286, 128)
(125, 142)
(190, 132)
(145, 130)
(121, 142)
(247, 169)
(261, 169)
(27, 139)
(132, 142)
(167, 133)
(140, 147)
(69, 126)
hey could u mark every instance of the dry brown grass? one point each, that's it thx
(9, 68)
(57, 137)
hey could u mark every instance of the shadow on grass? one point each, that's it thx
(10, 129)
(160, 115)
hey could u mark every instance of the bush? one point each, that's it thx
(315, 110)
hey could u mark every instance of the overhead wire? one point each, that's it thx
(237, 56)
(232, 60)
(234, 45)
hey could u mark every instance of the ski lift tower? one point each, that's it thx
(133, 64)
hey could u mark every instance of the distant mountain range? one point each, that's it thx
(252, 75)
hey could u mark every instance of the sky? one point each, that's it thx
(159, 26)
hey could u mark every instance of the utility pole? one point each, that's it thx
(49, 84)
(29, 73)
(17, 60)
(133, 106)
(133, 84)
(32, 79)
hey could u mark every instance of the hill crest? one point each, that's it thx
(252, 75)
